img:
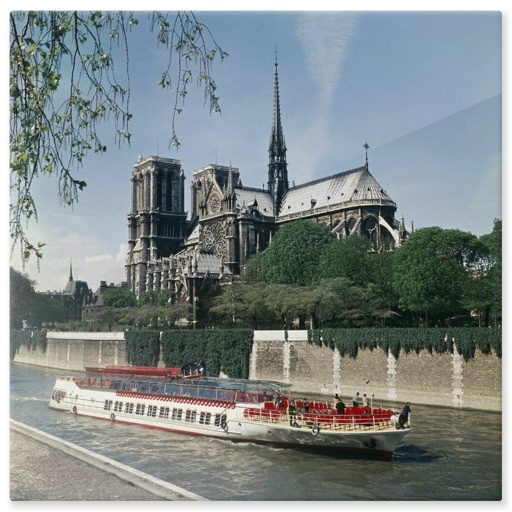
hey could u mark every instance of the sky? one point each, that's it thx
(422, 88)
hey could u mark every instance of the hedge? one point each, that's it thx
(30, 339)
(142, 347)
(438, 340)
(228, 350)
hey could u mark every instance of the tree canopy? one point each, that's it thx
(293, 255)
(69, 74)
(22, 296)
(432, 269)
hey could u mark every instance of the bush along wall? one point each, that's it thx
(30, 339)
(434, 340)
(142, 347)
(227, 350)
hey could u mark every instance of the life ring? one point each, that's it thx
(74, 409)
(315, 430)
(113, 417)
(224, 424)
(295, 424)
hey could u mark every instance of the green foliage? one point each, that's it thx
(493, 241)
(347, 258)
(394, 341)
(69, 75)
(119, 297)
(154, 298)
(47, 310)
(222, 349)
(142, 347)
(22, 297)
(31, 339)
(293, 255)
(432, 268)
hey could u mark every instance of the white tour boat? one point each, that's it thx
(256, 411)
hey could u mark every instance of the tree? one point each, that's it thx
(154, 298)
(432, 268)
(22, 296)
(119, 297)
(65, 81)
(483, 293)
(47, 310)
(293, 255)
(347, 257)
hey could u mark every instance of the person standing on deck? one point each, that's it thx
(355, 400)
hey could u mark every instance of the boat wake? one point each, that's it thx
(28, 399)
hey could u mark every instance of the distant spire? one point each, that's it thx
(70, 270)
(367, 148)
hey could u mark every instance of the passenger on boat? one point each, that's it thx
(305, 405)
(202, 366)
(292, 412)
(365, 401)
(336, 398)
(340, 406)
(404, 415)
(355, 400)
(277, 400)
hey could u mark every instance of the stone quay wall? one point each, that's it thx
(424, 378)
(74, 351)
(287, 356)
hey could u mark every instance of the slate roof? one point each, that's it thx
(349, 186)
(246, 196)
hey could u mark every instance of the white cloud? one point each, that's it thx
(98, 258)
(325, 41)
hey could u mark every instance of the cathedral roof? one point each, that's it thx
(354, 186)
(245, 196)
(73, 287)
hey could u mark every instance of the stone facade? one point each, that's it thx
(229, 222)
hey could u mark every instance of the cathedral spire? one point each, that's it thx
(277, 166)
(367, 148)
(70, 271)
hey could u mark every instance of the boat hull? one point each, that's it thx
(223, 420)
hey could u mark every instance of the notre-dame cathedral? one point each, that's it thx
(230, 222)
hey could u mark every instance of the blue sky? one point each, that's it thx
(422, 88)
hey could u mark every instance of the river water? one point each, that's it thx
(449, 455)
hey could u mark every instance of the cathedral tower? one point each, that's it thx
(277, 166)
(158, 220)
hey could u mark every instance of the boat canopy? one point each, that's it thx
(203, 387)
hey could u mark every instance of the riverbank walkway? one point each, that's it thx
(46, 468)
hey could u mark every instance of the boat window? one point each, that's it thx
(218, 419)
(205, 418)
(152, 410)
(176, 414)
(118, 406)
(190, 416)
(164, 412)
(108, 405)
(129, 408)
(58, 395)
(140, 409)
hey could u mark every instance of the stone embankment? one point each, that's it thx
(46, 468)
(445, 380)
